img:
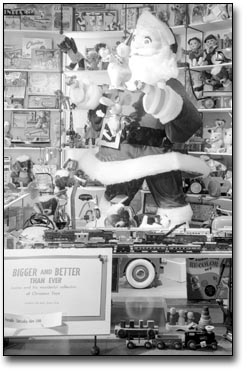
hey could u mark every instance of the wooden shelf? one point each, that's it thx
(29, 109)
(33, 71)
(22, 196)
(218, 110)
(210, 67)
(220, 155)
(31, 31)
(94, 34)
(214, 26)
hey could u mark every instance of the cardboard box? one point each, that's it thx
(45, 59)
(129, 18)
(43, 83)
(28, 44)
(42, 102)
(62, 18)
(94, 21)
(207, 278)
(39, 18)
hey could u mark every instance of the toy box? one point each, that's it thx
(95, 21)
(197, 12)
(28, 44)
(129, 18)
(37, 128)
(62, 18)
(43, 83)
(12, 23)
(15, 84)
(39, 17)
(207, 278)
(45, 59)
(35, 102)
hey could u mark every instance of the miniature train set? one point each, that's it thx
(140, 241)
(148, 336)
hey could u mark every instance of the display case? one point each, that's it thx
(155, 281)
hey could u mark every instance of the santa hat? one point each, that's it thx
(155, 26)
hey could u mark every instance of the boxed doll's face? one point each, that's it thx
(211, 43)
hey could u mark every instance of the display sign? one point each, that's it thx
(57, 291)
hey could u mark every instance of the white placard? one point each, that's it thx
(40, 284)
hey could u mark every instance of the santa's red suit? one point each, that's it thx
(162, 116)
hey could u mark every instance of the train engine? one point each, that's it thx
(201, 338)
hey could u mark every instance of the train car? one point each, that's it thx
(172, 341)
(140, 331)
(180, 248)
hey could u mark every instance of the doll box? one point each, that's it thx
(28, 44)
(44, 83)
(45, 59)
(42, 102)
(62, 18)
(94, 21)
(207, 278)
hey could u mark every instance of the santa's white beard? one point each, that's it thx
(155, 68)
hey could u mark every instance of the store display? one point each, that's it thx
(128, 155)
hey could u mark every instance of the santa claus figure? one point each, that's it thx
(161, 117)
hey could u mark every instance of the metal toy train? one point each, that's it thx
(140, 241)
(149, 336)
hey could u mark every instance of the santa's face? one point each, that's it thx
(145, 42)
(151, 60)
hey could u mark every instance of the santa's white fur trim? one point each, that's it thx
(176, 215)
(121, 171)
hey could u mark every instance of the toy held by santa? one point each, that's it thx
(163, 117)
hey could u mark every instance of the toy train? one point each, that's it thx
(149, 336)
(136, 241)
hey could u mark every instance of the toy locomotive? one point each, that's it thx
(149, 336)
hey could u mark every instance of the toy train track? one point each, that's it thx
(136, 241)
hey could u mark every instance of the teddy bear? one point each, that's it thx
(228, 140)
(221, 74)
(180, 15)
(22, 174)
(68, 46)
(215, 141)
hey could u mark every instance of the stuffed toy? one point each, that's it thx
(68, 46)
(120, 216)
(92, 60)
(180, 15)
(210, 82)
(22, 174)
(221, 74)
(118, 68)
(215, 141)
(104, 52)
(216, 12)
(158, 102)
(84, 95)
(228, 140)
